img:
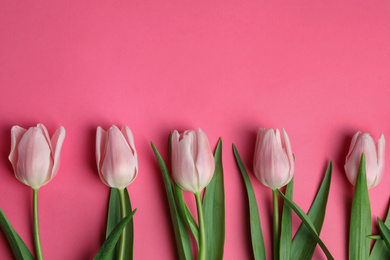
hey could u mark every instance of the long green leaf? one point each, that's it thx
(114, 217)
(385, 232)
(303, 244)
(380, 251)
(286, 226)
(108, 246)
(214, 210)
(309, 224)
(181, 235)
(186, 213)
(254, 218)
(360, 227)
(19, 248)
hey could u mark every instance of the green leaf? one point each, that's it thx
(214, 210)
(108, 246)
(303, 244)
(380, 251)
(309, 224)
(254, 218)
(375, 237)
(114, 217)
(360, 226)
(185, 213)
(181, 235)
(21, 251)
(385, 232)
(286, 226)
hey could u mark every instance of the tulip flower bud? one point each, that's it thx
(116, 156)
(35, 157)
(374, 154)
(273, 163)
(192, 160)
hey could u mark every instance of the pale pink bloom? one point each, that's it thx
(116, 156)
(273, 163)
(374, 154)
(35, 157)
(192, 160)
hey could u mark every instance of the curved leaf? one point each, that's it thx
(385, 232)
(360, 226)
(185, 213)
(380, 251)
(286, 226)
(114, 217)
(108, 246)
(254, 218)
(306, 220)
(181, 235)
(214, 210)
(303, 244)
(21, 251)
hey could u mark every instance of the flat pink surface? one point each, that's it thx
(320, 69)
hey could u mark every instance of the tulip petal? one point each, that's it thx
(45, 134)
(274, 165)
(352, 145)
(287, 148)
(205, 163)
(56, 141)
(101, 136)
(34, 160)
(381, 159)
(17, 133)
(118, 167)
(128, 135)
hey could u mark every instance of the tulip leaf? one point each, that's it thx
(380, 251)
(181, 235)
(114, 217)
(185, 213)
(254, 218)
(360, 226)
(309, 224)
(385, 232)
(286, 226)
(108, 246)
(214, 210)
(19, 248)
(303, 245)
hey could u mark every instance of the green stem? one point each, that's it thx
(276, 223)
(122, 242)
(37, 236)
(202, 231)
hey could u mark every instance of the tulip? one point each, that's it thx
(192, 170)
(273, 165)
(192, 160)
(374, 154)
(35, 157)
(116, 156)
(273, 162)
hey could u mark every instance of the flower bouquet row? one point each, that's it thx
(35, 158)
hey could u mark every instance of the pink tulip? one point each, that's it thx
(116, 156)
(192, 160)
(374, 154)
(35, 157)
(273, 162)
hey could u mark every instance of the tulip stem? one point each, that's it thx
(276, 223)
(122, 242)
(37, 236)
(202, 230)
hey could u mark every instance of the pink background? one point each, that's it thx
(320, 69)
